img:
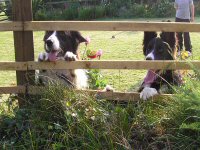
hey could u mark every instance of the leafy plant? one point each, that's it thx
(36, 6)
(96, 80)
(70, 14)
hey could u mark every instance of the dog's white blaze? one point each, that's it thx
(54, 39)
(148, 92)
(150, 55)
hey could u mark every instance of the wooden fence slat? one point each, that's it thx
(117, 64)
(115, 96)
(99, 26)
(111, 26)
(103, 64)
(13, 66)
(11, 26)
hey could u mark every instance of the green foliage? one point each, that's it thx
(2, 6)
(86, 13)
(36, 6)
(99, 12)
(138, 10)
(70, 14)
(197, 9)
(8, 9)
(164, 9)
(96, 80)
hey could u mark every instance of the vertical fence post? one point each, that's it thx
(23, 42)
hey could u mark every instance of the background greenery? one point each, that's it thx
(95, 9)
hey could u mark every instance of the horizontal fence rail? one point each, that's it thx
(100, 26)
(103, 64)
(109, 95)
(11, 26)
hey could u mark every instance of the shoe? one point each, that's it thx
(178, 53)
(189, 53)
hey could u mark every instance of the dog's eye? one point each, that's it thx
(160, 49)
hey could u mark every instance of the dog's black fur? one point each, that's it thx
(159, 48)
(62, 45)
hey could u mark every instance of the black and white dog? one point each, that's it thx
(63, 45)
(159, 48)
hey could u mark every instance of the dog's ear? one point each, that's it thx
(148, 36)
(46, 35)
(170, 51)
(170, 38)
(77, 35)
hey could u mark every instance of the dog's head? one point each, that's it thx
(159, 48)
(60, 42)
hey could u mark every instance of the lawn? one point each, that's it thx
(125, 46)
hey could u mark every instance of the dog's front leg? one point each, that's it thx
(69, 56)
(148, 92)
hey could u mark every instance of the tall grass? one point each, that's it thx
(64, 119)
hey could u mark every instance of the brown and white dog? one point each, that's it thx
(63, 45)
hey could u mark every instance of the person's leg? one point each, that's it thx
(187, 41)
(180, 41)
(179, 36)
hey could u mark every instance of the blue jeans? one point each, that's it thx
(185, 35)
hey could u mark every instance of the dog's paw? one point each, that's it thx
(108, 88)
(43, 57)
(69, 56)
(148, 92)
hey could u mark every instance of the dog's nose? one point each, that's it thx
(49, 43)
(149, 58)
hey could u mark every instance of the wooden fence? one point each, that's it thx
(23, 28)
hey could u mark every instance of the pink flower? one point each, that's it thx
(99, 52)
(88, 40)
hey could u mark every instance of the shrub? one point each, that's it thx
(99, 12)
(138, 10)
(41, 15)
(96, 80)
(36, 5)
(110, 10)
(2, 6)
(164, 9)
(8, 9)
(197, 9)
(70, 14)
(86, 13)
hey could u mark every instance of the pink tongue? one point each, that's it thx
(150, 77)
(52, 56)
